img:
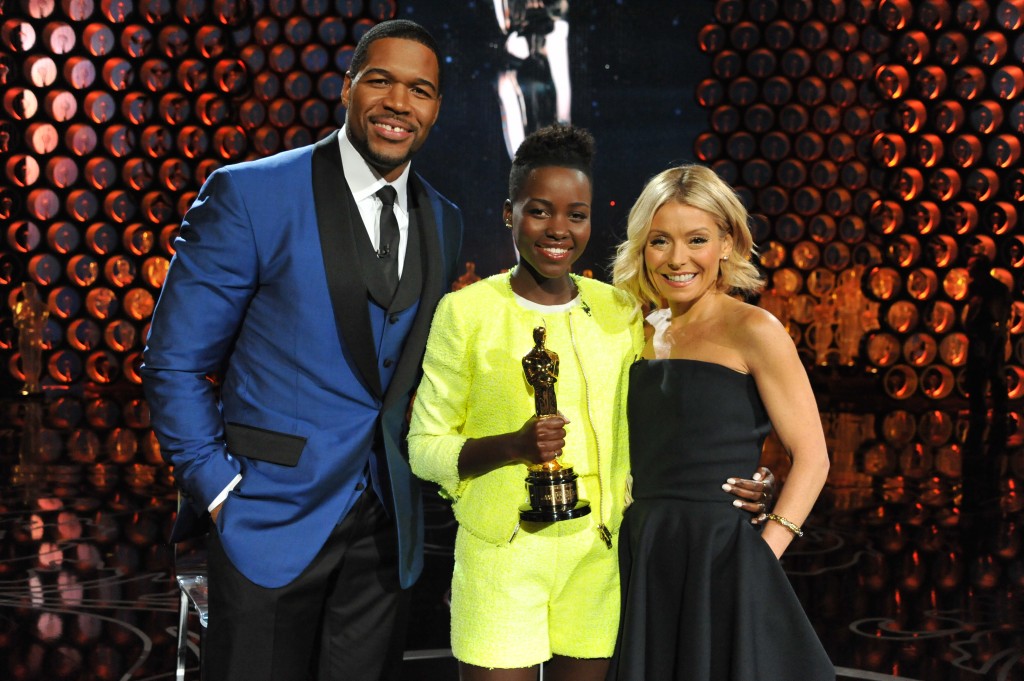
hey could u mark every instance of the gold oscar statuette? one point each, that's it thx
(551, 486)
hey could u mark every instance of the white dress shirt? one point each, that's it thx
(363, 181)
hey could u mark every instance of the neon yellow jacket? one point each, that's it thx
(473, 386)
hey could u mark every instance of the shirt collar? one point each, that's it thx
(363, 180)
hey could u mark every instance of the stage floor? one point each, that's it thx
(87, 587)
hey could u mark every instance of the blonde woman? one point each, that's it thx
(704, 597)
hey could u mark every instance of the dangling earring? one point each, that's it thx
(508, 225)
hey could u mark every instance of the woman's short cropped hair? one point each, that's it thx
(564, 146)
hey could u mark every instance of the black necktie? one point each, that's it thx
(387, 250)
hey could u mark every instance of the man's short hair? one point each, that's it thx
(394, 28)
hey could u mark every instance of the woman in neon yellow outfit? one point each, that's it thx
(527, 593)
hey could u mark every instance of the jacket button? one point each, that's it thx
(393, 319)
(360, 486)
(387, 363)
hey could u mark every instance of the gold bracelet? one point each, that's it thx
(788, 524)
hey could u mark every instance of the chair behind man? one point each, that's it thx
(190, 574)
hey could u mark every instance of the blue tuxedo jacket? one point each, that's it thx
(265, 291)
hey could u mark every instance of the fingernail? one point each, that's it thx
(757, 476)
(737, 503)
(731, 481)
(727, 488)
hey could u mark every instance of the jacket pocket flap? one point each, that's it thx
(263, 445)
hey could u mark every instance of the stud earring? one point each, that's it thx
(725, 257)
(508, 225)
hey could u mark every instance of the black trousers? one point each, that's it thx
(343, 618)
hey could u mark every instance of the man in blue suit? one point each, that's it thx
(279, 367)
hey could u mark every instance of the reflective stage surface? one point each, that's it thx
(894, 585)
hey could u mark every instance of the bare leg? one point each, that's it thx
(468, 672)
(560, 668)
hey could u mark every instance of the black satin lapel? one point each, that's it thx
(433, 288)
(348, 291)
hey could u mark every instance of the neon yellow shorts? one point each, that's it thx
(553, 591)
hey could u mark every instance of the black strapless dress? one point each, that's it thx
(703, 597)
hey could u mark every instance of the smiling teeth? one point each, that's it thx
(392, 128)
(680, 278)
(556, 251)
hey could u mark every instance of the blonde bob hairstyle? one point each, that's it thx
(699, 187)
